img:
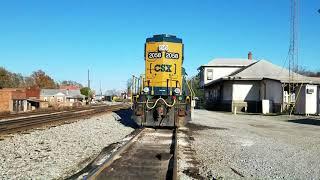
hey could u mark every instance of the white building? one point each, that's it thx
(62, 97)
(242, 84)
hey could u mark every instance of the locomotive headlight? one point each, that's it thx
(146, 89)
(177, 91)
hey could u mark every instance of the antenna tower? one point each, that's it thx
(293, 47)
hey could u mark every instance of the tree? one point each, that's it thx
(111, 92)
(195, 84)
(4, 77)
(129, 84)
(303, 71)
(42, 80)
(86, 92)
(71, 83)
(10, 80)
(29, 82)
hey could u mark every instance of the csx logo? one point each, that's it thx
(162, 68)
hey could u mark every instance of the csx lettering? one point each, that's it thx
(162, 68)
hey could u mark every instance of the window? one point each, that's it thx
(209, 74)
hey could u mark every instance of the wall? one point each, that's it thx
(33, 93)
(246, 96)
(218, 72)
(218, 96)
(246, 91)
(311, 100)
(10, 96)
(227, 91)
(273, 91)
(300, 106)
(5, 98)
(18, 95)
(307, 103)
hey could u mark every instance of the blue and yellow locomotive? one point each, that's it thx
(162, 97)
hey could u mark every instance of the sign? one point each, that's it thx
(162, 68)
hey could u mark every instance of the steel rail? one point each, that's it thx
(93, 175)
(25, 123)
(171, 170)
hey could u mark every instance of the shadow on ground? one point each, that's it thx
(199, 127)
(126, 119)
(308, 121)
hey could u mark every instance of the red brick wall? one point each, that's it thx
(18, 95)
(33, 93)
(5, 98)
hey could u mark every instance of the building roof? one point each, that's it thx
(263, 69)
(61, 92)
(229, 62)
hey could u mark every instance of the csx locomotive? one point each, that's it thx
(162, 96)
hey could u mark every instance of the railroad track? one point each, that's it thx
(47, 111)
(150, 154)
(30, 122)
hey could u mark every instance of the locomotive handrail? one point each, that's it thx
(154, 105)
(190, 89)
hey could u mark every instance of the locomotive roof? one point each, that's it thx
(164, 38)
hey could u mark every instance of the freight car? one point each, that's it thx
(162, 97)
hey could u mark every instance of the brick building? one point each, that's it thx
(13, 100)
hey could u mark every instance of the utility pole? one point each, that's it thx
(88, 78)
(89, 99)
(100, 89)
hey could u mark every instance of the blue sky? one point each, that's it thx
(65, 38)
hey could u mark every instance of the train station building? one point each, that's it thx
(244, 84)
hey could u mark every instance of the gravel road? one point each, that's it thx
(58, 152)
(256, 147)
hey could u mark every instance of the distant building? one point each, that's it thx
(33, 99)
(242, 84)
(13, 100)
(99, 97)
(62, 97)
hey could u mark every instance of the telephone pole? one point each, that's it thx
(100, 89)
(88, 78)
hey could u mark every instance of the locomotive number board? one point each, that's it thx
(168, 55)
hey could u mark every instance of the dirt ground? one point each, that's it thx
(255, 146)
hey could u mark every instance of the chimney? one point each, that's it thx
(249, 55)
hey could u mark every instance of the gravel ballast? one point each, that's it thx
(255, 147)
(61, 151)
